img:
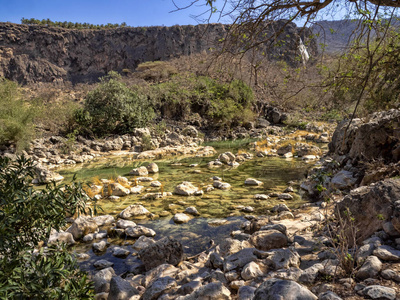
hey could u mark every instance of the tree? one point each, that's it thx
(28, 270)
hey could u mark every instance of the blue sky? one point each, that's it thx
(133, 12)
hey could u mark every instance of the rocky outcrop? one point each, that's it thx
(36, 53)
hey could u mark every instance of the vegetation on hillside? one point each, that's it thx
(71, 25)
(27, 218)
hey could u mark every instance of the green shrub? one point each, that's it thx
(114, 108)
(26, 219)
(16, 116)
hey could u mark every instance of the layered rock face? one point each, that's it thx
(30, 54)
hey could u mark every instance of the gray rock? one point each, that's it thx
(246, 292)
(133, 211)
(286, 274)
(163, 270)
(120, 252)
(102, 280)
(166, 250)
(211, 291)
(102, 264)
(100, 246)
(283, 258)
(123, 224)
(261, 197)
(379, 292)
(285, 196)
(143, 242)
(269, 239)
(329, 295)
(370, 269)
(141, 171)
(387, 253)
(181, 218)
(158, 287)
(364, 251)
(272, 289)
(138, 231)
(121, 289)
(217, 262)
(252, 181)
(104, 220)
(279, 227)
(189, 287)
(152, 168)
(280, 207)
(82, 226)
(240, 259)
(192, 211)
(251, 271)
(310, 274)
(391, 274)
(343, 180)
(221, 185)
(61, 237)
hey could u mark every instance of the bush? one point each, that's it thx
(27, 217)
(114, 108)
(16, 116)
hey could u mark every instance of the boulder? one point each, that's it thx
(343, 180)
(61, 237)
(139, 230)
(118, 189)
(181, 218)
(252, 181)
(82, 226)
(221, 185)
(133, 211)
(152, 168)
(251, 271)
(120, 252)
(371, 206)
(272, 289)
(240, 259)
(283, 258)
(104, 220)
(379, 292)
(285, 196)
(192, 211)
(186, 188)
(141, 171)
(166, 250)
(102, 280)
(123, 224)
(246, 292)
(269, 239)
(121, 289)
(370, 269)
(102, 264)
(211, 291)
(387, 253)
(100, 246)
(158, 287)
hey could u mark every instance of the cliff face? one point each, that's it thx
(31, 54)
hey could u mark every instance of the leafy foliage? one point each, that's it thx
(16, 116)
(70, 25)
(26, 219)
(114, 108)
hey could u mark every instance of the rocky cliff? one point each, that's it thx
(35, 53)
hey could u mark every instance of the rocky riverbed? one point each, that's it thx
(345, 244)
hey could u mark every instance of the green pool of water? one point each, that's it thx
(274, 172)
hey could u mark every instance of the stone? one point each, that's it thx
(156, 184)
(261, 197)
(247, 209)
(216, 261)
(370, 269)
(61, 237)
(387, 253)
(280, 207)
(120, 252)
(100, 246)
(211, 291)
(143, 242)
(240, 259)
(104, 220)
(390, 230)
(181, 218)
(139, 230)
(272, 289)
(121, 289)
(252, 181)
(186, 188)
(82, 226)
(189, 287)
(251, 271)
(377, 199)
(283, 258)
(136, 189)
(226, 157)
(141, 171)
(284, 215)
(163, 270)
(102, 280)
(45, 176)
(310, 274)
(221, 185)
(343, 180)
(285, 196)
(291, 273)
(158, 287)
(379, 292)
(279, 227)
(133, 211)
(166, 250)
(152, 168)
(268, 239)
(246, 292)
(123, 224)
(192, 211)
(118, 189)
(289, 189)
(102, 264)
(329, 295)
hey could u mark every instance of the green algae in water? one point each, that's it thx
(275, 173)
